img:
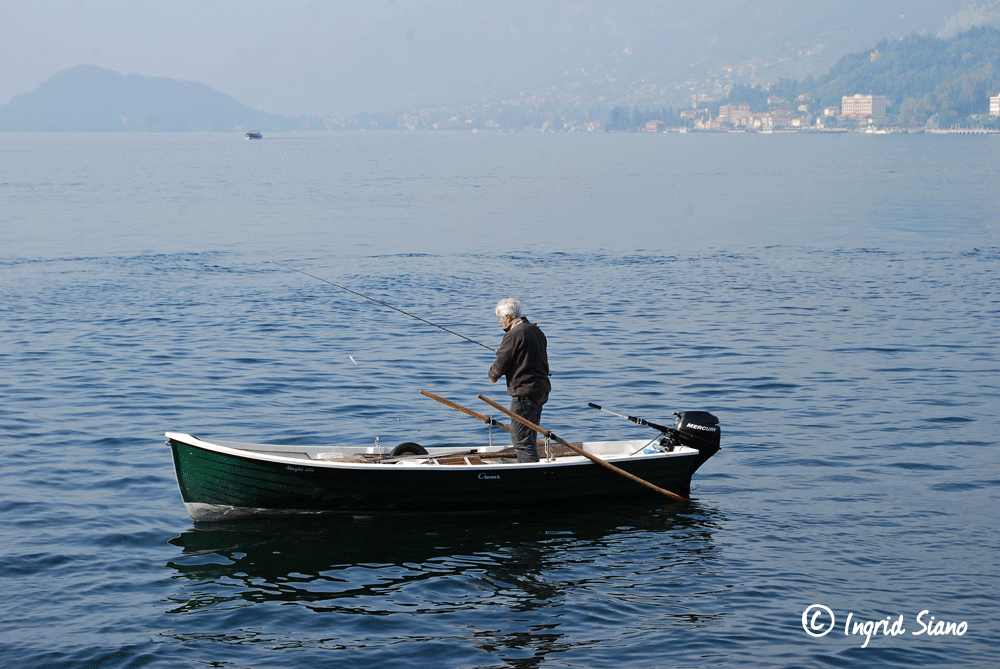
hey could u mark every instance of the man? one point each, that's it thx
(522, 358)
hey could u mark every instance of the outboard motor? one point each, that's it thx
(699, 430)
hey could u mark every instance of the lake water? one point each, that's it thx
(834, 299)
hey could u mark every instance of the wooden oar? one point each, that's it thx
(577, 449)
(470, 412)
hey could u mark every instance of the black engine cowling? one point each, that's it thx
(699, 430)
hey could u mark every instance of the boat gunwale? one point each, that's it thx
(409, 464)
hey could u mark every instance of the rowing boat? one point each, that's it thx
(220, 480)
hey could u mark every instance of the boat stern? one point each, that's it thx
(699, 430)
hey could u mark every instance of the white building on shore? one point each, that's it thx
(861, 106)
(995, 105)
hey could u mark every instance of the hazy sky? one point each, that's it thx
(335, 57)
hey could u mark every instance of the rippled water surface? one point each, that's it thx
(834, 300)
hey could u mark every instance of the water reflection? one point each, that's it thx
(391, 565)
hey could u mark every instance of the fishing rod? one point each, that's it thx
(372, 299)
(634, 419)
(680, 434)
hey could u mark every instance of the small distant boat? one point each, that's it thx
(254, 134)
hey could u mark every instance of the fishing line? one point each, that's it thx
(372, 299)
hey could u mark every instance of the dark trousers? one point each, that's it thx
(528, 407)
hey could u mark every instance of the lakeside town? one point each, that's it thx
(914, 84)
(857, 113)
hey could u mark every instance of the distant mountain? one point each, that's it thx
(350, 57)
(924, 77)
(88, 98)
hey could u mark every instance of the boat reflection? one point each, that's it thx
(389, 565)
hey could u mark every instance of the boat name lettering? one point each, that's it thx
(484, 475)
(292, 468)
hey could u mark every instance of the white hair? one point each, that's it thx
(508, 306)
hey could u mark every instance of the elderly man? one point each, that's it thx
(522, 358)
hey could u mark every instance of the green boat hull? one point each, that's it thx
(218, 483)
